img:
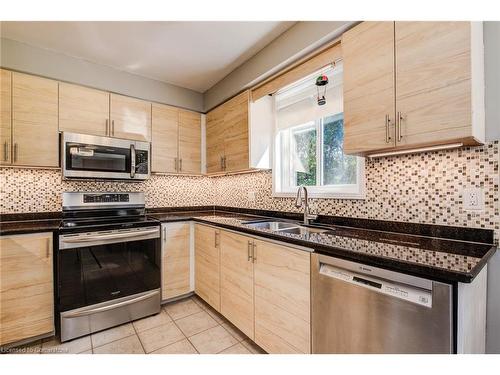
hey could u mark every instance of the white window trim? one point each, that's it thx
(331, 191)
(334, 192)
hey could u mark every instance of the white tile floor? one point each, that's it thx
(188, 326)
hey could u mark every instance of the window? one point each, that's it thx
(309, 141)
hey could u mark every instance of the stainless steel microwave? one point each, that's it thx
(89, 156)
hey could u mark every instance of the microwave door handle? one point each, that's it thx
(132, 157)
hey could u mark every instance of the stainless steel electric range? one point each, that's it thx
(108, 262)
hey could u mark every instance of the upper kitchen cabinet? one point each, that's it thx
(239, 135)
(368, 53)
(130, 118)
(83, 110)
(235, 124)
(5, 116)
(165, 136)
(176, 140)
(35, 136)
(215, 140)
(411, 85)
(189, 142)
(439, 83)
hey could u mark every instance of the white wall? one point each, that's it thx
(25, 58)
(492, 102)
(492, 74)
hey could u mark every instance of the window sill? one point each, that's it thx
(321, 195)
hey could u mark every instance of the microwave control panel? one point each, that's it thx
(141, 162)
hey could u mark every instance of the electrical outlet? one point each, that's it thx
(473, 199)
(251, 196)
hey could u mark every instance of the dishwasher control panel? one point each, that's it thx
(394, 289)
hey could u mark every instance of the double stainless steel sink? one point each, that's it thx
(285, 227)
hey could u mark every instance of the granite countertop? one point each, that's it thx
(440, 259)
(28, 226)
(441, 254)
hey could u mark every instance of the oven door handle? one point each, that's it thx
(128, 235)
(96, 310)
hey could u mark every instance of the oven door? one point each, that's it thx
(97, 267)
(107, 278)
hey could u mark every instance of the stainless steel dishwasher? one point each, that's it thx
(363, 309)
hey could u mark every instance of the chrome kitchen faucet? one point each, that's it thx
(299, 201)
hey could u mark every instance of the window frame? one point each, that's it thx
(280, 173)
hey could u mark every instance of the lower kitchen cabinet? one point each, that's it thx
(264, 287)
(176, 260)
(26, 287)
(282, 298)
(207, 264)
(236, 281)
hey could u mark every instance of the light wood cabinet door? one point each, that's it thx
(433, 81)
(215, 140)
(368, 54)
(236, 141)
(207, 264)
(83, 110)
(236, 281)
(26, 287)
(130, 118)
(175, 260)
(5, 116)
(35, 134)
(282, 298)
(189, 142)
(164, 145)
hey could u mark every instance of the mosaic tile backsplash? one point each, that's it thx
(40, 190)
(421, 188)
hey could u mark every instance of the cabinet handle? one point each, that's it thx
(6, 151)
(107, 127)
(176, 164)
(254, 252)
(15, 152)
(216, 239)
(47, 253)
(113, 127)
(387, 128)
(222, 163)
(180, 165)
(249, 251)
(399, 134)
(164, 234)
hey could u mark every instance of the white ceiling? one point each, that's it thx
(195, 55)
